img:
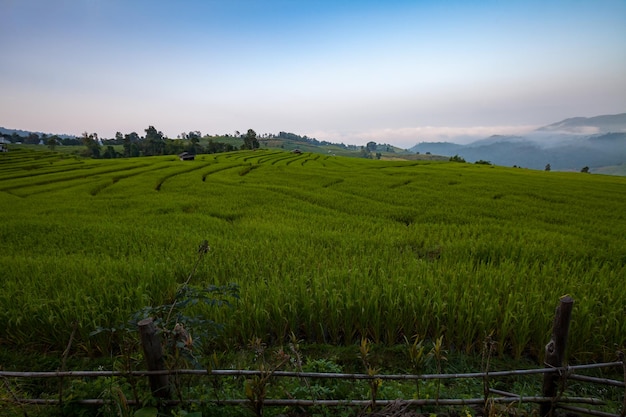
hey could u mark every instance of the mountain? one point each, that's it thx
(589, 125)
(569, 145)
(24, 133)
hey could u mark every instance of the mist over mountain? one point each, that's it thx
(570, 144)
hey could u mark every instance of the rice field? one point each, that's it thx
(332, 249)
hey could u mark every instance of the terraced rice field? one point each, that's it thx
(332, 249)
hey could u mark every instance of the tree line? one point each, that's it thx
(154, 142)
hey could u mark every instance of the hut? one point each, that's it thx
(186, 156)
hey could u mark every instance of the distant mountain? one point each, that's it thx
(589, 125)
(568, 145)
(25, 133)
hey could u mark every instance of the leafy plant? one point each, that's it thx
(438, 353)
(418, 357)
(366, 358)
(257, 385)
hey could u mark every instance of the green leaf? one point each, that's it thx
(147, 412)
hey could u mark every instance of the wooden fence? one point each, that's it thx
(494, 396)
(555, 378)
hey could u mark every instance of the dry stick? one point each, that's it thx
(202, 250)
(603, 381)
(504, 393)
(587, 411)
(15, 399)
(487, 347)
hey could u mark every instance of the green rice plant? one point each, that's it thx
(329, 248)
(418, 356)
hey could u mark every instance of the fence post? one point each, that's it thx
(555, 352)
(153, 353)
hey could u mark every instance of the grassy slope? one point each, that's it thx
(327, 247)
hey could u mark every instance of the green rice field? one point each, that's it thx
(332, 249)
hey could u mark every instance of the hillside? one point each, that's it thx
(328, 248)
(597, 142)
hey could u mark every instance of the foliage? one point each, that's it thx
(250, 141)
(185, 332)
(456, 158)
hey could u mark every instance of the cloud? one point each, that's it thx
(409, 136)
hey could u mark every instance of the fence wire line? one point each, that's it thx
(566, 370)
(339, 403)
(508, 398)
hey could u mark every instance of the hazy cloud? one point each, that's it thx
(409, 136)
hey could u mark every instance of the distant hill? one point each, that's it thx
(589, 125)
(24, 133)
(569, 145)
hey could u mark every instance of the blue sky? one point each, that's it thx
(396, 72)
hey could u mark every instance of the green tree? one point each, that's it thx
(52, 142)
(155, 145)
(250, 141)
(131, 149)
(90, 140)
(585, 170)
(32, 139)
(548, 167)
(371, 146)
(365, 153)
(109, 153)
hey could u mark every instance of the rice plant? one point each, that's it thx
(331, 249)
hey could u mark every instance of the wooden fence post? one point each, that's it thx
(555, 352)
(153, 353)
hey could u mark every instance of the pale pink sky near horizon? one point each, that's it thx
(397, 72)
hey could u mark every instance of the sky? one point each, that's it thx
(397, 72)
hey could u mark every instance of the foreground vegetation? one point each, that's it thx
(330, 249)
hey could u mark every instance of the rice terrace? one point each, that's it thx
(323, 249)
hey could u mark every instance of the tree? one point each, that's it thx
(130, 144)
(109, 153)
(194, 135)
(365, 153)
(92, 144)
(250, 141)
(585, 170)
(32, 139)
(154, 142)
(548, 167)
(371, 146)
(52, 142)
(456, 158)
